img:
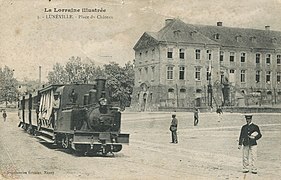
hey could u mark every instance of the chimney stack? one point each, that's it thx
(267, 28)
(219, 23)
(167, 21)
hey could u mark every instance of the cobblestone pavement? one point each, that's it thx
(207, 151)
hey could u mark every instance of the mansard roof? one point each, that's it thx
(247, 38)
(176, 31)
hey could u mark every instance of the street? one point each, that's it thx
(206, 151)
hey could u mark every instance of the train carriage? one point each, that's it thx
(74, 116)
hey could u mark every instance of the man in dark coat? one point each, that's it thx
(173, 128)
(196, 116)
(4, 115)
(249, 135)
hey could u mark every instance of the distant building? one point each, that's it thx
(185, 65)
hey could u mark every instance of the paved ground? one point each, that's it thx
(208, 151)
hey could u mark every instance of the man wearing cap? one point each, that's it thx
(249, 135)
(173, 128)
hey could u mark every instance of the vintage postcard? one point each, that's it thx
(152, 89)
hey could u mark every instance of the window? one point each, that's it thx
(140, 56)
(171, 90)
(153, 72)
(208, 74)
(267, 76)
(146, 71)
(182, 90)
(267, 58)
(243, 76)
(278, 59)
(152, 53)
(231, 71)
(258, 76)
(243, 57)
(171, 94)
(170, 70)
(238, 38)
(217, 36)
(181, 54)
(209, 55)
(278, 77)
(258, 57)
(197, 54)
(231, 57)
(181, 73)
(221, 55)
(197, 73)
(170, 53)
(140, 74)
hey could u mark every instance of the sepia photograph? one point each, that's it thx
(140, 90)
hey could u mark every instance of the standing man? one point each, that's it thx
(196, 117)
(56, 106)
(249, 135)
(4, 115)
(173, 128)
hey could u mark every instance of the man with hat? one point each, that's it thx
(173, 128)
(249, 135)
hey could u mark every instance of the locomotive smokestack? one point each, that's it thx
(100, 88)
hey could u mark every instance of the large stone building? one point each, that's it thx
(185, 65)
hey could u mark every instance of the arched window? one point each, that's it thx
(171, 94)
(182, 90)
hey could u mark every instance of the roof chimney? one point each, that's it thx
(267, 28)
(167, 21)
(219, 23)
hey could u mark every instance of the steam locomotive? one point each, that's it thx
(79, 117)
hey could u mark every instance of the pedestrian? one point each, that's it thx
(219, 112)
(196, 116)
(4, 115)
(249, 135)
(173, 128)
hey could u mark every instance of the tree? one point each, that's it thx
(120, 81)
(75, 70)
(91, 72)
(8, 85)
(58, 75)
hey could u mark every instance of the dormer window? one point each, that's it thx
(238, 38)
(176, 33)
(217, 36)
(274, 40)
(192, 33)
(253, 39)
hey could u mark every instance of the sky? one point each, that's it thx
(29, 40)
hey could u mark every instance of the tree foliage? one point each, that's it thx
(58, 75)
(75, 71)
(8, 85)
(120, 80)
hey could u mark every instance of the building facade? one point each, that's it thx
(184, 66)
